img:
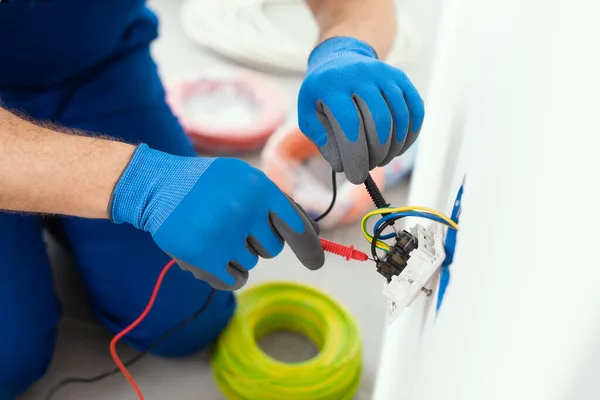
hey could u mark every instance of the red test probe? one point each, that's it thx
(345, 251)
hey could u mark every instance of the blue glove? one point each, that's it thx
(359, 111)
(215, 217)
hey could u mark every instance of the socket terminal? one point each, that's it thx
(397, 258)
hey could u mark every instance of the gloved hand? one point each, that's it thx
(213, 216)
(359, 111)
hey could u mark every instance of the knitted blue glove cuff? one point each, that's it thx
(152, 185)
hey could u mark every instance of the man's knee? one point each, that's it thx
(179, 323)
(201, 330)
(121, 280)
(23, 362)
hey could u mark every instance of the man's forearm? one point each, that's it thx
(372, 21)
(45, 171)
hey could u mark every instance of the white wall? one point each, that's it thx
(515, 93)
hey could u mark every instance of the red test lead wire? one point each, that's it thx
(332, 247)
(345, 251)
(120, 335)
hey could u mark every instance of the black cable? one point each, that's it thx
(379, 202)
(139, 356)
(378, 233)
(375, 193)
(333, 198)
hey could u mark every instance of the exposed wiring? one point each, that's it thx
(379, 231)
(384, 210)
(333, 197)
(389, 219)
(397, 216)
(384, 246)
(244, 371)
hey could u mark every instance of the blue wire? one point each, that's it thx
(402, 215)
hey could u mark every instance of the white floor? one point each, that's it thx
(82, 349)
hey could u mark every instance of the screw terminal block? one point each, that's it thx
(397, 258)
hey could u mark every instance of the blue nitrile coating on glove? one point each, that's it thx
(214, 216)
(361, 112)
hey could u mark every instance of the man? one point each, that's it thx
(129, 203)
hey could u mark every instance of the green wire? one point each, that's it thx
(370, 237)
(243, 371)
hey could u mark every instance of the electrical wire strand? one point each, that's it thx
(379, 231)
(384, 246)
(333, 197)
(397, 216)
(55, 389)
(132, 326)
(383, 223)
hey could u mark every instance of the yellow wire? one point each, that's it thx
(384, 246)
(244, 372)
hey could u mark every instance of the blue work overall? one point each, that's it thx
(86, 64)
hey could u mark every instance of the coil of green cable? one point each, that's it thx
(243, 371)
